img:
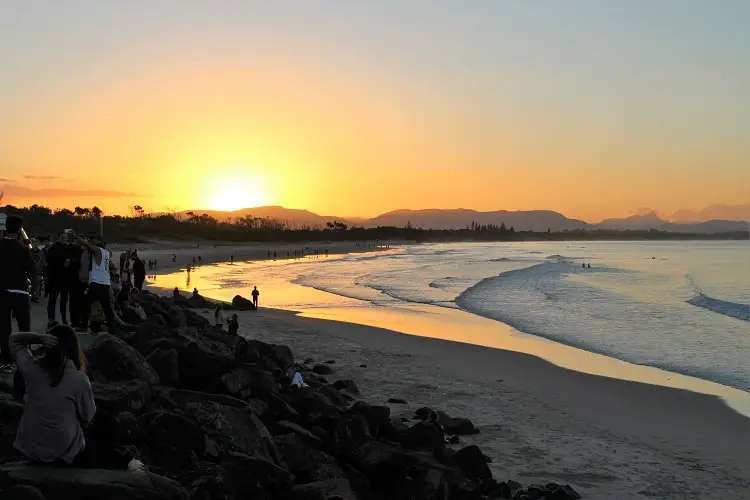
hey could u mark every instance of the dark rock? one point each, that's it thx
(305, 462)
(322, 369)
(363, 366)
(57, 483)
(166, 429)
(240, 303)
(398, 401)
(122, 396)
(256, 477)
(473, 463)
(308, 361)
(339, 398)
(286, 427)
(432, 485)
(375, 416)
(558, 492)
(234, 430)
(313, 406)
(347, 387)
(280, 409)
(454, 440)
(458, 426)
(423, 413)
(117, 428)
(21, 492)
(166, 362)
(111, 359)
(331, 362)
(424, 435)
(180, 398)
(324, 490)
(10, 411)
(347, 434)
(235, 381)
(215, 484)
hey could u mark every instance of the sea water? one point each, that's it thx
(681, 306)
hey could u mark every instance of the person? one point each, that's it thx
(174, 258)
(59, 260)
(200, 259)
(59, 399)
(126, 270)
(100, 281)
(176, 292)
(195, 293)
(234, 325)
(17, 269)
(139, 271)
(40, 263)
(219, 316)
(80, 270)
(256, 293)
(231, 259)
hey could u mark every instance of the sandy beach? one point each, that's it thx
(608, 438)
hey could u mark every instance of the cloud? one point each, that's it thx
(41, 177)
(24, 192)
(3, 179)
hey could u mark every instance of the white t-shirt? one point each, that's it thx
(100, 272)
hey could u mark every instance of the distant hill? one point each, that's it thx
(530, 220)
(534, 220)
(714, 212)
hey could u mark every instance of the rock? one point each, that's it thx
(313, 406)
(10, 411)
(21, 492)
(423, 413)
(346, 434)
(110, 359)
(215, 484)
(339, 398)
(235, 382)
(473, 463)
(240, 303)
(122, 396)
(558, 492)
(202, 360)
(423, 435)
(454, 440)
(286, 427)
(348, 387)
(397, 401)
(375, 416)
(256, 477)
(308, 361)
(363, 366)
(58, 483)
(335, 489)
(166, 362)
(458, 426)
(305, 462)
(433, 485)
(180, 398)
(322, 369)
(234, 430)
(166, 429)
(116, 428)
(331, 362)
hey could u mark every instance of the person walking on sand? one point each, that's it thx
(255, 294)
(17, 269)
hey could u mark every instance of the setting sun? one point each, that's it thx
(233, 192)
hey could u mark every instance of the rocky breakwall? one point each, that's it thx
(205, 415)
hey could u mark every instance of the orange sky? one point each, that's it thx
(324, 121)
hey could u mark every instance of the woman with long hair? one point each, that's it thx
(59, 400)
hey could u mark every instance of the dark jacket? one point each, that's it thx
(57, 254)
(16, 265)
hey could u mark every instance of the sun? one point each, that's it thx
(233, 193)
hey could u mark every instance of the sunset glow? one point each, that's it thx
(361, 109)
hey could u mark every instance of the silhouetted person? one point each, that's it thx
(200, 259)
(589, 265)
(234, 325)
(274, 256)
(17, 268)
(174, 258)
(176, 292)
(195, 293)
(58, 277)
(583, 265)
(219, 316)
(231, 259)
(255, 294)
(139, 272)
(193, 261)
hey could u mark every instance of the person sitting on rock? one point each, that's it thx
(59, 400)
(234, 325)
(196, 294)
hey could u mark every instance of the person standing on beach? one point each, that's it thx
(139, 272)
(59, 261)
(17, 268)
(256, 294)
(234, 325)
(219, 316)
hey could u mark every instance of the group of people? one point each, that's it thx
(132, 269)
(51, 380)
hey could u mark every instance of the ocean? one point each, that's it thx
(679, 306)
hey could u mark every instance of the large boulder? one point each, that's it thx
(240, 303)
(21, 492)
(64, 483)
(307, 463)
(473, 463)
(111, 359)
(377, 417)
(165, 430)
(234, 430)
(122, 396)
(339, 489)
(166, 362)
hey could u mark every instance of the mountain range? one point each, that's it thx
(534, 220)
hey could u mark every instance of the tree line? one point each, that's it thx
(140, 227)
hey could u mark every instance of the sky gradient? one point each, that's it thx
(594, 109)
